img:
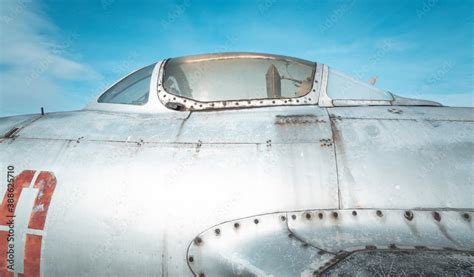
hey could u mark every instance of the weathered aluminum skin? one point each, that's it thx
(134, 190)
(144, 193)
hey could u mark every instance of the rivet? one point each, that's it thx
(408, 215)
(191, 259)
(293, 217)
(200, 106)
(273, 102)
(320, 215)
(184, 100)
(261, 102)
(202, 275)
(437, 216)
(392, 246)
(197, 240)
(354, 213)
(370, 247)
(236, 103)
(305, 244)
(290, 235)
(255, 221)
(335, 214)
(283, 218)
(308, 216)
(379, 213)
(217, 231)
(466, 216)
(174, 98)
(341, 254)
(309, 99)
(297, 101)
(236, 225)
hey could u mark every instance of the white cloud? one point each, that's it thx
(33, 57)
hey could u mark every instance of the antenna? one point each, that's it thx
(373, 80)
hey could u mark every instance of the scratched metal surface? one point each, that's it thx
(8, 123)
(146, 201)
(305, 124)
(106, 126)
(405, 113)
(423, 159)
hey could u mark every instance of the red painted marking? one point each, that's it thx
(32, 256)
(21, 181)
(45, 183)
(8, 209)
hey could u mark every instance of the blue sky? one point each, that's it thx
(58, 54)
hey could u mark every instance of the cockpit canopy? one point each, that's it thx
(227, 77)
(242, 80)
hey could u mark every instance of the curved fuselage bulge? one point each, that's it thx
(134, 190)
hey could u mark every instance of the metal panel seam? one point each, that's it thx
(335, 158)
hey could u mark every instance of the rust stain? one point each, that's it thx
(336, 134)
(297, 119)
(11, 133)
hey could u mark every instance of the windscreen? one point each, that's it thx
(132, 90)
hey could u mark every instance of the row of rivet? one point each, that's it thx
(408, 215)
(163, 94)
